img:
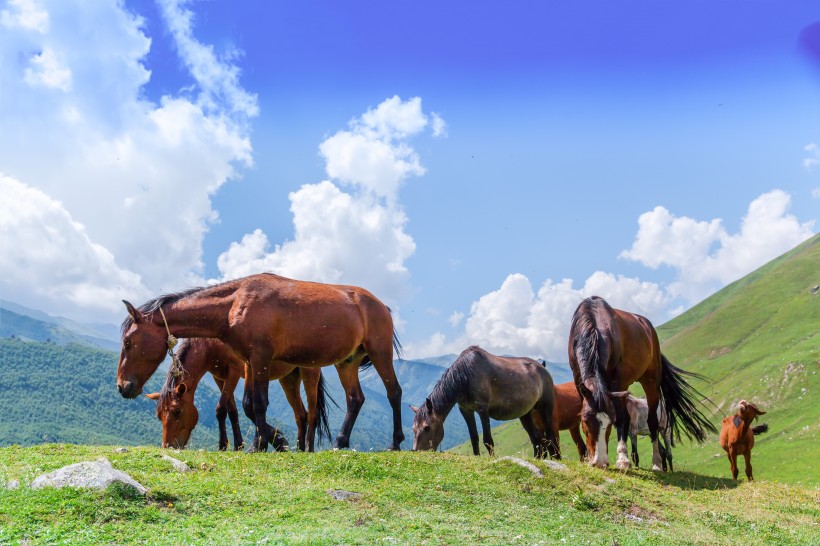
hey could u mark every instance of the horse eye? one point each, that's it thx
(127, 343)
(426, 428)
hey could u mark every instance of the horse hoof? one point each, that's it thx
(623, 465)
(656, 468)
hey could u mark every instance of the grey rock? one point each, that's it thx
(341, 494)
(121, 450)
(97, 474)
(13, 484)
(178, 465)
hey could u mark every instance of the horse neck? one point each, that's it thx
(195, 361)
(196, 316)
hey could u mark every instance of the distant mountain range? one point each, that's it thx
(64, 344)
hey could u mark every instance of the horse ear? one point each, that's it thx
(414, 408)
(136, 315)
(152, 395)
(428, 405)
(181, 388)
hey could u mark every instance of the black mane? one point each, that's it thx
(453, 382)
(591, 347)
(152, 306)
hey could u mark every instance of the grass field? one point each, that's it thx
(405, 498)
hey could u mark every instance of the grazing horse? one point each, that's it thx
(737, 437)
(267, 319)
(610, 349)
(638, 411)
(179, 416)
(567, 414)
(496, 387)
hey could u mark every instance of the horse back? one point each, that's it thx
(568, 402)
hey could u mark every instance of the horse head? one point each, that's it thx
(749, 411)
(428, 428)
(178, 414)
(597, 417)
(144, 345)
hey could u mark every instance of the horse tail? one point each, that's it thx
(323, 426)
(760, 429)
(679, 399)
(398, 350)
(366, 363)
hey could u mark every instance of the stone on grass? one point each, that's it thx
(13, 484)
(178, 465)
(341, 494)
(97, 474)
(552, 465)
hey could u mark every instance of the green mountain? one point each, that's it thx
(29, 324)
(756, 339)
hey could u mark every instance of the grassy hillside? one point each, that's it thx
(757, 339)
(405, 498)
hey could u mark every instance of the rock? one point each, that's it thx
(341, 494)
(521, 462)
(97, 474)
(178, 465)
(121, 450)
(13, 484)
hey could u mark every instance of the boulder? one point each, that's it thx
(97, 474)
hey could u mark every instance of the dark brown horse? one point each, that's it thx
(496, 387)
(610, 349)
(197, 356)
(267, 319)
(567, 414)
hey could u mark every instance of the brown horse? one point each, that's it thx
(610, 349)
(567, 414)
(267, 319)
(737, 436)
(179, 416)
(496, 387)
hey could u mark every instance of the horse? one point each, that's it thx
(567, 414)
(737, 437)
(179, 416)
(610, 349)
(638, 411)
(496, 387)
(267, 319)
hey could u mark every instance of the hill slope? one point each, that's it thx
(400, 498)
(757, 339)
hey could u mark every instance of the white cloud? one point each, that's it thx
(136, 176)
(705, 255)
(355, 237)
(455, 318)
(516, 320)
(48, 254)
(812, 161)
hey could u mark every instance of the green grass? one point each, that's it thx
(757, 339)
(406, 498)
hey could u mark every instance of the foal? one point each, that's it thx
(737, 437)
(638, 410)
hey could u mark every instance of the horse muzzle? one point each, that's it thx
(129, 389)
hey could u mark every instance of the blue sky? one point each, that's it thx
(480, 167)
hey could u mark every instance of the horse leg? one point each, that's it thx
(485, 428)
(354, 396)
(732, 462)
(652, 401)
(227, 388)
(633, 439)
(667, 434)
(383, 362)
(222, 414)
(748, 457)
(469, 417)
(290, 385)
(312, 395)
(260, 370)
(622, 431)
(532, 431)
(579, 441)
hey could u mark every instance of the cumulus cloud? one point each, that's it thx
(705, 255)
(515, 319)
(133, 178)
(349, 237)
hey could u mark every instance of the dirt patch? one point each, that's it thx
(719, 351)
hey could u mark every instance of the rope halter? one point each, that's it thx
(176, 366)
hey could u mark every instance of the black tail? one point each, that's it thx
(679, 398)
(760, 429)
(398, 350)
(323, 427)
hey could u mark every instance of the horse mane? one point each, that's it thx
(591, 347)
(453, 381)
(171, 379)
(152, 306)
